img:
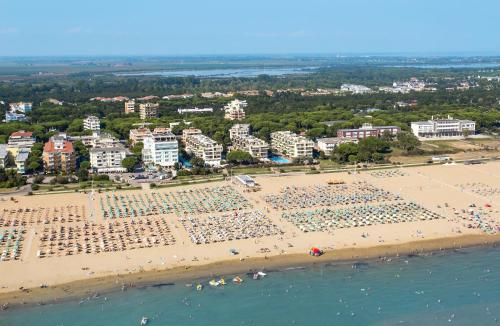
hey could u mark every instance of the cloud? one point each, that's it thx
(8, 30)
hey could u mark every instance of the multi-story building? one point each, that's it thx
(242, 140)
(108, 158)
(443, 128)
(21, 160)
(195, 110)
(22, 107)
(235, 110)
(12, 117)
(258, 148)
(239, 130)
(59, 155)
(161, 148)
(367, 130)
(3, 155)
(291, 144)
(205, 148)
(148, 110)
(129, 107)
(189, 132)
(328, 145)
(92, 123)
(355, 89)
(20, 140)
(138, 135)
(104, 140)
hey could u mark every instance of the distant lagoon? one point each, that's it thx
(479, 65)
(223, 73)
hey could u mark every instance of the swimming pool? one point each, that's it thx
(279, 159)
(185, 162)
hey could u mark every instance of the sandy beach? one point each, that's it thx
(76, 244)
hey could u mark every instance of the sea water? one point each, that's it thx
(446, 288)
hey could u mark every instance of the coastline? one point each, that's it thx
(113, 283)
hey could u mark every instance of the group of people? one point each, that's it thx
(480, 188)
(233, 226)
(181, 202)
(91, 238)
(15, 217)
(389, 173)
(294, 197)
(326, 219)
(11, 243)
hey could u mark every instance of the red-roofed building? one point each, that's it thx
(19, 141)
(59, 156)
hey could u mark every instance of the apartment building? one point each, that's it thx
(104, 140)
(20, 140)
(258, 148)
(443, 128)
(129, 107)
(22, 107)
(205, 148)
(367, 130)
(138, 135)
(235, 110)
(107, 159)
(13, 117)
(195, 110)
(59, 155)
(92, 123)
(148, 110)
(21, 160)
(291, 144)
(161, 148)
(239, 130)
(328, 145)
(3, 155)
(355, 89)
(189, 132)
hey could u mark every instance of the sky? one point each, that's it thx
(204, 27)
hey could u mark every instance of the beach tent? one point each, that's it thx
(315, 251)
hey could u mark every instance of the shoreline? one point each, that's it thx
(79, 289)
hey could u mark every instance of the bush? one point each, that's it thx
(38, 179)
(62, 180)
(100, 177)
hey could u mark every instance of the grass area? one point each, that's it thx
(79, 186)
(328, 164)
(251, 170)
(439, 147)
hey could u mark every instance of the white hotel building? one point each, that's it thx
(92, 123)
(242, 140)
(328, 145)
(291, 144)
(205, 148)
(161, 148)
(442, 128)
(239, 130)
(22, 107)
(235, 110)
(106, 154)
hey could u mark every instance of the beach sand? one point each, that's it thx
(441, 189)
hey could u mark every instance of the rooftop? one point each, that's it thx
(50, 147)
